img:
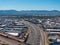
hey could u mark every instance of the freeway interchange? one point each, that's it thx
(36, 34)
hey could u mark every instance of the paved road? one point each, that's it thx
(34, 34)
(42, 39)
(43, 35)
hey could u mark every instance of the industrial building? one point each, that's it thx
(13, 29)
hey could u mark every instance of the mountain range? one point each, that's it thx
(30, 12)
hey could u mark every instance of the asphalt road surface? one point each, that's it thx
(35, 34)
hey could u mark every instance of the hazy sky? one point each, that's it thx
(30, 4)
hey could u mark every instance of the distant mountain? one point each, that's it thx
(30, 12)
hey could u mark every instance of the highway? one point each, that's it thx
(43, 35)
(36, 36)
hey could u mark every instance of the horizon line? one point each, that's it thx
(30, 10)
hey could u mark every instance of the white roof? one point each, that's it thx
(14, 34)
(58, 40)
(52, 29)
